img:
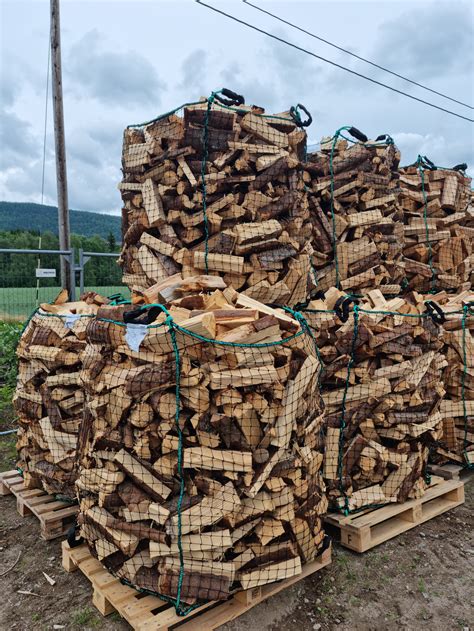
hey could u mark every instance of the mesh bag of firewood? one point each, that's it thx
(216, 186)
(439, 227)
(382, 391)
(457, 408)
(49, 397)
(357, 231)
(201, 450)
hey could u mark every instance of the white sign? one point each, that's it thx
(44, 272)
(134, 335)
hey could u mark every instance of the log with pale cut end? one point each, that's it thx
(438, 229)
(383, 393)
(360, 247)
(49, 398)
(237, 419)
(217, 192)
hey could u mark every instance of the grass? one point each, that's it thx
(85, 617)
(17, 303)
(9, 335)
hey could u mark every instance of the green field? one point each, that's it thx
(17, 303)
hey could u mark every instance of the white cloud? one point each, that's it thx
(115, 78)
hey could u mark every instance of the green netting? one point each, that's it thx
(217, 189)
(49, 398)
(356, 220)
(384, 397)
(438, 222)
(201, 448)
(457, 407)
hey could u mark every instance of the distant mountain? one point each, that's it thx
(27, 216)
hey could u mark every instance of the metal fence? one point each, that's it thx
(30, 277)
(99, 271)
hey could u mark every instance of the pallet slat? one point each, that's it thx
(55, 516)
(361, 532)
(150, 613)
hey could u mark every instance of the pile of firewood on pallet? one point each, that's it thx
(382, 390)
(217, 191)
(49, 398)
(222, 465)
(439, 229)
(362, 247)
(457, 407)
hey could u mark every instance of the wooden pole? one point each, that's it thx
(60, 145)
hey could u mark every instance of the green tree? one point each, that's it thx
(112, 241)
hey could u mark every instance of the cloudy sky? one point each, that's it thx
(127, 61)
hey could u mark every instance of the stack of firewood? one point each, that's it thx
(49, 397)
(382, 389)
(362, 247)
(439, 229)
(457, 408)
(241, 416)
(217, 190)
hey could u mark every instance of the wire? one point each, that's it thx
(333, 63)
(38, 261)
(344, 50)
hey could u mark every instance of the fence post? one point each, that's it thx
(72, 275)
(81, 270)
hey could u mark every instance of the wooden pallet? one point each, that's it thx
(365, 530)
(451, 472)
(151, 613)
(55, 516)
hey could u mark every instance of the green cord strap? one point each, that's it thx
(236, 109)
(335, 138)
(342, 423)
(421, 171)
(205, 144)
(180, 610)
(333, 215)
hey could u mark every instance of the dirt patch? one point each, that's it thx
(420, 580)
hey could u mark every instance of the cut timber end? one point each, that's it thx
(55, 516)
(363, 531)
(151, 613)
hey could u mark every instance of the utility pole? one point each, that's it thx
(60, 146)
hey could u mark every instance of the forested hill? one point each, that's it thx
(27, 216)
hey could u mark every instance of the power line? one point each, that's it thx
(344, 50)
(333, 63)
